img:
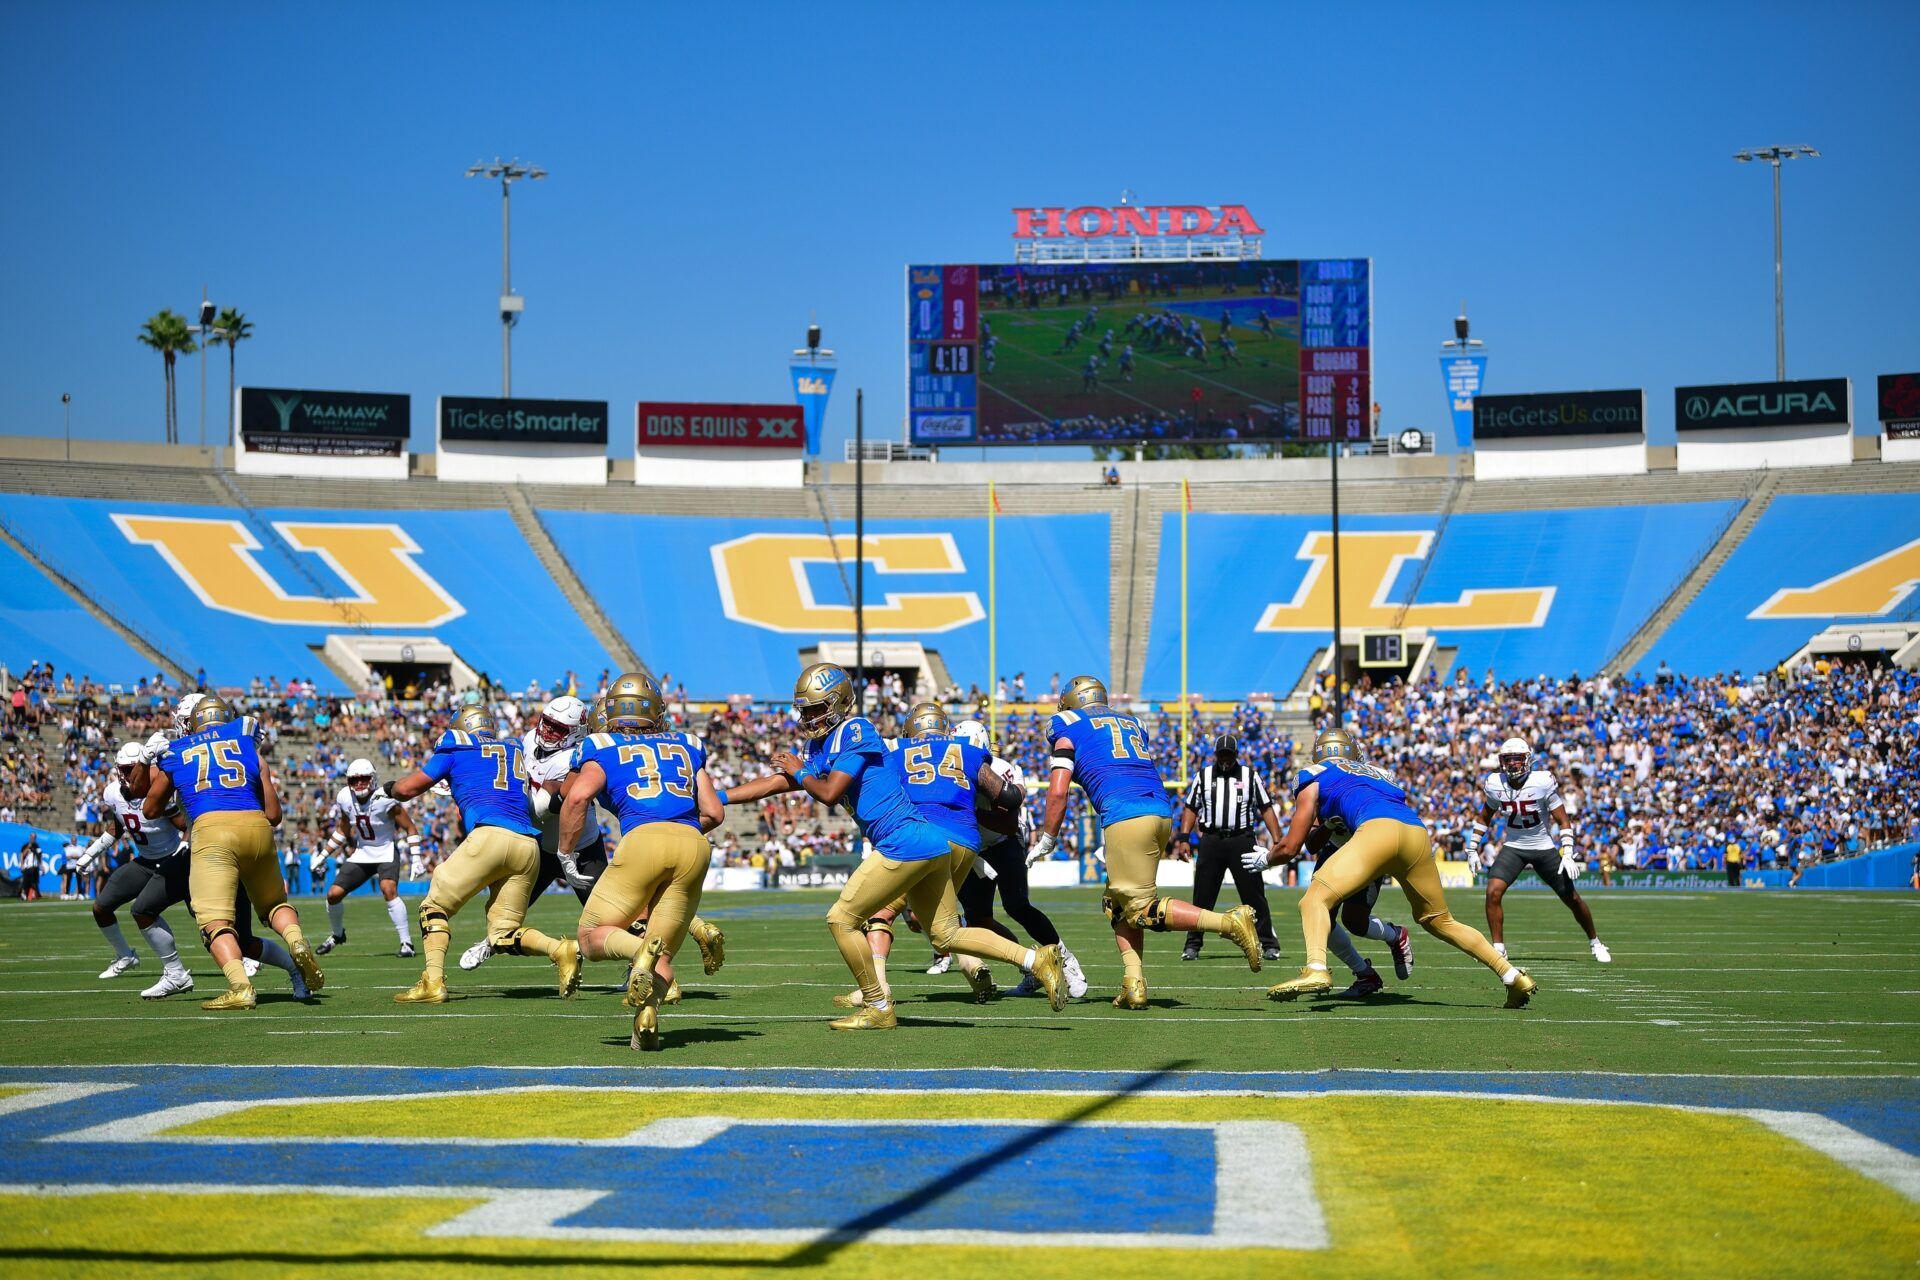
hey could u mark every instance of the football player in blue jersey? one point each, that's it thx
(656, 783)
(1384, 836)
(847, 764)
(1105, 751)
(501, 853)
(232, 807)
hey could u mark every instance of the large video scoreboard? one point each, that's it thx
(1089, 352)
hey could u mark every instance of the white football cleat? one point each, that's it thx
(940, 965)
(120, 965)
(1601, 953)
(1076, 980)
(476, 955)
(172, 983)
(252, 967)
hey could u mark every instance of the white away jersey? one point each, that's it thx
(369, 822)
(153, 838)
(554, 766)
(1527, 808)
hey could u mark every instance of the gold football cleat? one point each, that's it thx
(712, 944)
(868, 1019)
(646, 1030)
(1311, 982)
(308, 966)
(1521, 991)
(1133, 994)
(640, 983)
(984, 988)
(426, 991)
(1241, 931)
(567, 962)
(673, 993)
(1050, 971)
(238, 996)
(849, 1000)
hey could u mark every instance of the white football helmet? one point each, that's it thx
(1516, 760)
(562, 723)
(183, 713)
(360, 778)
(972, 731)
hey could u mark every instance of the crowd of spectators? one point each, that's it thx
(1790, 767)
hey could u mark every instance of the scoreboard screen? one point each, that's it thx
(1161, 352)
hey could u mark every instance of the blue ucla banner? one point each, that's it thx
(812, 384)
(1465, 377)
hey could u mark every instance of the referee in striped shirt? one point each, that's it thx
(1228, 802)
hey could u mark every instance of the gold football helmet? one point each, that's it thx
(597, 716)
(208, 713)
(927, 718)
(822, 698)
(1083, 691)
(634, 704)
(476, 719)
(1335, 744)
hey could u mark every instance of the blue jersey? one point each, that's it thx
(938, 773)
(216, 770)
(650, 776)
(1111, 762)
(488, 777)
(1352, 793)
(878, 797)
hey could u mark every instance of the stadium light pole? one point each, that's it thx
(204, 328)
(1773, 156)
(66, 421)
(507, 173)
(860, 544)
(1339, 697)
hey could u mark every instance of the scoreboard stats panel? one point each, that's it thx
(1087, 352)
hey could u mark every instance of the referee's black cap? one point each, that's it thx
(1226, 745)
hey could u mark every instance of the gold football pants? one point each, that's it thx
(1404, 851)
(1133, 849)
(229, 850)
(927, 886)
(505, 863)
(658, 869)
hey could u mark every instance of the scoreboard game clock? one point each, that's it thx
(1246, 351)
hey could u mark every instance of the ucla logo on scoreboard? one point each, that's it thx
(218, 560)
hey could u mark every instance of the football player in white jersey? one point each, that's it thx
(1529, 799)
(154, 879)
(368, 828)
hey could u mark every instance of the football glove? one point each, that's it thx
(1569, 865)
(84, 863)
(1476, 836)
(1042, 848)
(983, 869)
(156, 746)
(1256, 859)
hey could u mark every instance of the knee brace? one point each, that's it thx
(879, 924)
(209, 936)
(433, 920)
(509, 942)
(1148, 913)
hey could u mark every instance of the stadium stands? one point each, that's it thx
(39, 621)
(728, 604)
(1810, 560)
(1520, 591)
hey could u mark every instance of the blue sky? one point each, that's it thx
(721, 171)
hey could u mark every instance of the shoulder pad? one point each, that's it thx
(1061, 720)
(345, 798)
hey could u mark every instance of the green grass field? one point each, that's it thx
(1738, 1094)
(1034, 380)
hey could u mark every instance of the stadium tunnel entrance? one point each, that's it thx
(920, 669)
(416, 661)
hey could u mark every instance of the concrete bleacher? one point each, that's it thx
(1435, 494)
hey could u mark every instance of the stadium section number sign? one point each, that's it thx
(1900, 405)
(1157, 351)
(523, 421)
(1560, 413)
(361, 424)
(756, 426)
(1812, 403)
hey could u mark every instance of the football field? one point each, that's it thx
(1737, 1094)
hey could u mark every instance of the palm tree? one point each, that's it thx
(168, 333)
(230, 329)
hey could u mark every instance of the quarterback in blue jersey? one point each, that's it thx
(1384, 836)
(847, 764)
(1105, 751)
(232, 809)
(501, 853)
(656, 783)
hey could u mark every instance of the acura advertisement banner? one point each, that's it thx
(523, 421)
(1814, 402)
(362, 424)
(745, 426)
(1560, 413)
